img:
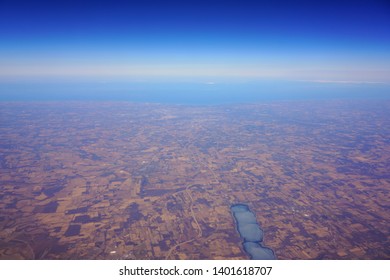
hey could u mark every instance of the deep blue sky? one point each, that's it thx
(209, 41)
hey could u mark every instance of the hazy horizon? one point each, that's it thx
(125, 49)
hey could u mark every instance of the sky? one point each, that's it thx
(341, 42)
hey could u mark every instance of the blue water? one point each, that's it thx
(251, 233)
(200, 92)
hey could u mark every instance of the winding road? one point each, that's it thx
(200, 233)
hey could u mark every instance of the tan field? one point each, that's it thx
(149, 181)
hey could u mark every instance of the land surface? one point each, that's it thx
(85, 180)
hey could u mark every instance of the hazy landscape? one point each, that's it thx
(172, 130)
(122, 180)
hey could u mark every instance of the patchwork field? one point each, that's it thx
(106, 180)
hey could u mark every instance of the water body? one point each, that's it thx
(251, 233)
(192, 93)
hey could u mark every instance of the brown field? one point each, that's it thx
(150, 181)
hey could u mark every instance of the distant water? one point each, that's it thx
(196, 93)
(251, 233)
